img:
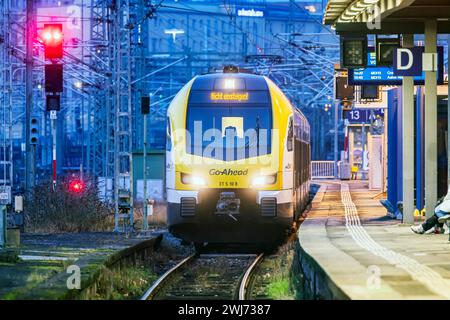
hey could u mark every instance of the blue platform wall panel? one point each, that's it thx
(420, 154)
(394, 174)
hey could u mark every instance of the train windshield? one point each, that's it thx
(229, 131)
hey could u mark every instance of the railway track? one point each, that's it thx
(207, 276)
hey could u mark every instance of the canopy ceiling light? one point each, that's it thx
(355, 9)
(350, 13)
(345, 18)
(359, 5)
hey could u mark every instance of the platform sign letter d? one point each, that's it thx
(408, 65)
(74, 280)
(408, 62)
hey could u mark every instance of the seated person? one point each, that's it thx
(441, 215)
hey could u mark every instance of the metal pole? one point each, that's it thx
(130, 120)
(117, 108)
(448, 117)
(82, 96)
(336, 117)
(430, 122)
(408, 140)
(145, 227)
(11, 165)
(29, 157)
(53, 118)
(363, 159)
(10, 101)
(2, 226)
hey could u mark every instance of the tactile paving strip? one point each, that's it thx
(418, 271)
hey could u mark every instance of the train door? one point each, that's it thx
(297, 165)
(291, 144)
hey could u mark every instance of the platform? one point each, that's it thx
(40, 269)
(356, 252)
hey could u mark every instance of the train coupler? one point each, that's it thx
(228, 204)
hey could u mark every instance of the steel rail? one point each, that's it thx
(248, 276)
(152, 291)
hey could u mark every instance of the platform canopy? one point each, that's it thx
(395, 16)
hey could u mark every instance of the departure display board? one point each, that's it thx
(385, 75)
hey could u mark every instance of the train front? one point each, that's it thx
(229, 175)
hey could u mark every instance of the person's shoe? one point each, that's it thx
(439, 230)
(417, 229)
(444, 218)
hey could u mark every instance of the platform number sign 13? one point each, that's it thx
(356, 115)
(364, 116)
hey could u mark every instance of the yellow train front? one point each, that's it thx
(237, 161)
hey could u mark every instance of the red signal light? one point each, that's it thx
(76, 186)
(47, 36)
(57, 36)
(53, 40)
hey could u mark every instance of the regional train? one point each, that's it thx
(237, 160)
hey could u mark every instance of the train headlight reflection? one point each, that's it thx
(193, 180)
(260, 181)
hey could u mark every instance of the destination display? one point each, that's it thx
(385, 75)
(224, 96)
(236, 97)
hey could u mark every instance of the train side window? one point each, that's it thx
(290, 136)
(168, 135)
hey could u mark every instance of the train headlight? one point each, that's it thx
(260, 181)
(193, 180)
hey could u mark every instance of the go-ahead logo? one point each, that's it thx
(228, 172)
